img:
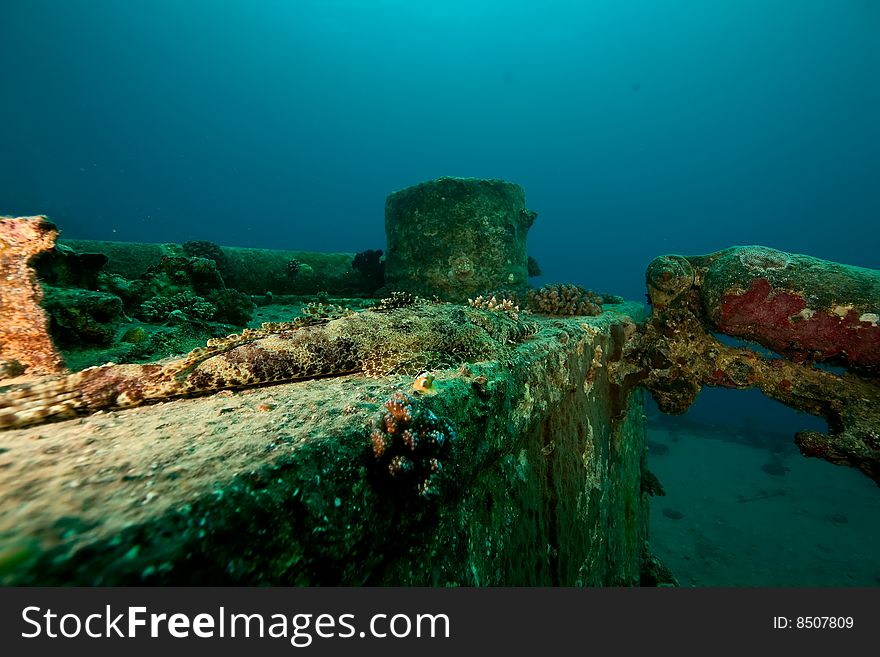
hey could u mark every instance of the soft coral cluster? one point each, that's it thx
(564, 300)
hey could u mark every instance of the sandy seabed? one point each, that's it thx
(739, 515)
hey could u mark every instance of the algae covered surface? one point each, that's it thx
(280, 484)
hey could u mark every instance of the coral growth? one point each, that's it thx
(233, 307)
(799, 305)
(456, 237)
(293, 267)
(135, 335)
(209, 250)
(398, 300)
(564, 300)
(64, 267)
(192, 285)
(496, 304)
(782, 320)
(370, 264)
(181, 306)
(177, 274)
(408, 443)
(804, 308)
(81, 317)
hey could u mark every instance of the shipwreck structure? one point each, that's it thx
(810, 312)
(444, 435)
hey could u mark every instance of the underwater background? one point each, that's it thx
(636, 128)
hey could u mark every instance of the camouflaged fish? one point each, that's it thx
(376, 342)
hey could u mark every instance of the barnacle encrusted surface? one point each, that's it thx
(405, 340)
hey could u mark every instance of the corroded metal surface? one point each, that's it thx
(24, 340)
(807, 309)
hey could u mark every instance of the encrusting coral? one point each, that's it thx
(24, 338)
(293, 266)
(178, 274)
(456, 237)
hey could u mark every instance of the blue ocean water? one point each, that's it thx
(636, 127)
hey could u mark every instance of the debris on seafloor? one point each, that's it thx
(809, 310)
